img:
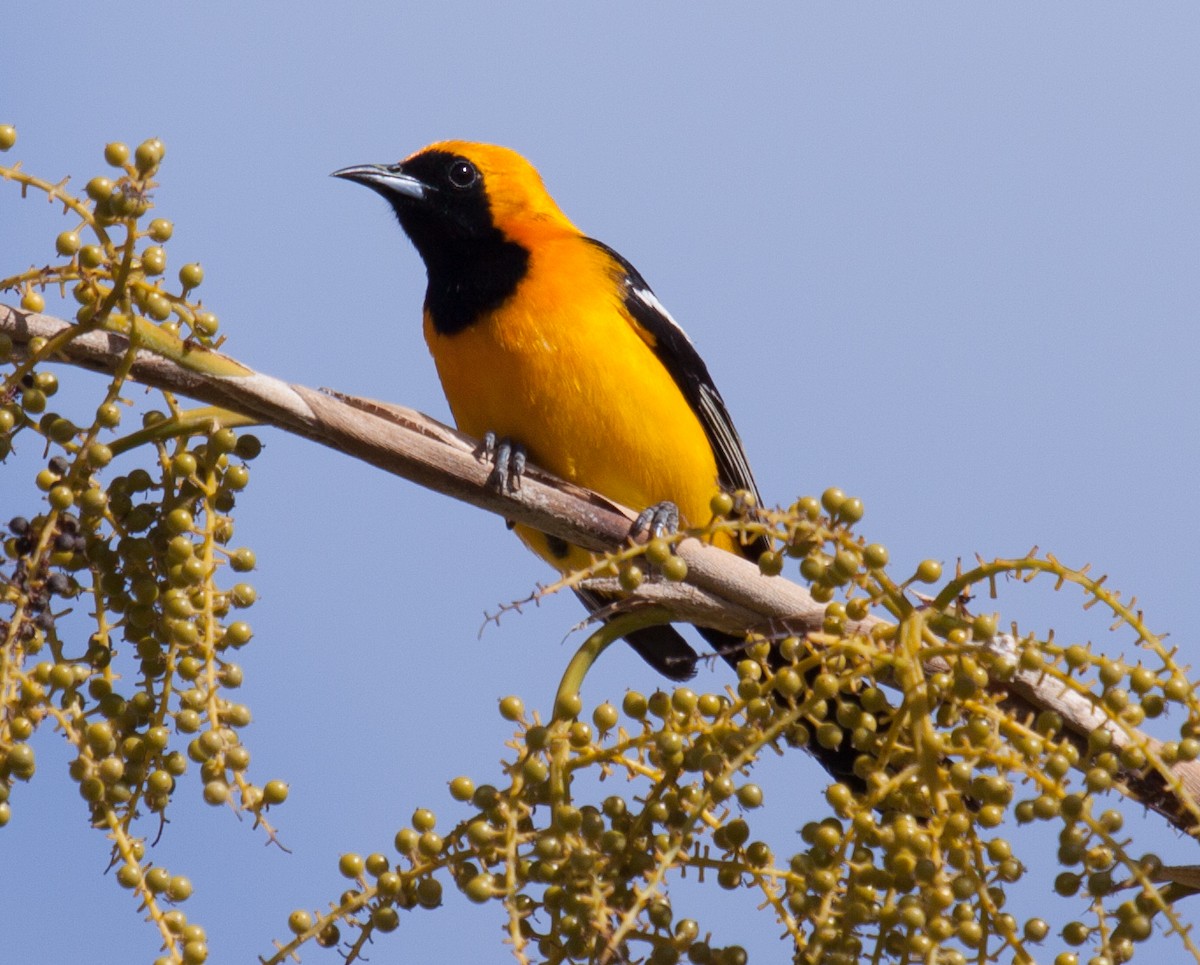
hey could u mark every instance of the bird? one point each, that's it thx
(549, 340)
(551, 345)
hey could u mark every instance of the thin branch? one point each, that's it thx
(722, 590)
(410, 444)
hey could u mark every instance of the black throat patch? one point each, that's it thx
(473, 267)
(466, 281)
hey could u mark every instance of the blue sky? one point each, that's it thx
(941, 255)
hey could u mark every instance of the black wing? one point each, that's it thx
(677, 354)
(679, 357)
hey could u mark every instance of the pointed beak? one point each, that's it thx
(386, 180)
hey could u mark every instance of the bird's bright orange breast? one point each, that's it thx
(561, 369)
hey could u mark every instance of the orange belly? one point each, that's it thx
(585, 395)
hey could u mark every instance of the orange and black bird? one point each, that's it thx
(550, 344)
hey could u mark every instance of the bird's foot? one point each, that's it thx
(661, 519)
(508, 462)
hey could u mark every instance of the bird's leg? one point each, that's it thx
(508, 462)
(661, 519)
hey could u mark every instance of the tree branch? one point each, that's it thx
(722, 590)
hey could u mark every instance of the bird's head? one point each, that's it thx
(458, 192)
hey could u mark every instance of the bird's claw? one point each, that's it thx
(661, 519)
(508, 462)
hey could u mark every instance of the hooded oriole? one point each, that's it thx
(550, 339)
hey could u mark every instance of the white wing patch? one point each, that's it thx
(650, 300)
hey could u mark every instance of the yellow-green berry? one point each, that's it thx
(191, 275)
(116, 154)
(32, 301)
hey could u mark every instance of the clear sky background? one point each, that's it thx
(941, 255)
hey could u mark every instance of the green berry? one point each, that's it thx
(61, 497)
(91, 256)
(148, 155)
(568, 707)
(116, 154)
(154, 260)
(161, 229)
(158, 306)
(635, 705)
(929, 571)
(875, 556)
(236, 478)
(429, 893)
(480, 888)
(851, 509)
(33, 401)
(238, 633)
(385, 919)
(750, 796)
(191, 275)
(98, 455)
(721, 504)
(675, 569)
(243, 595)
(179, 520)
(406, 841)
(67, 243)
(299, 921)
(1177, 689)
(631, 577)
(180, 888)
(350, 865)
(658, 550)
(99, 188)
(832, 500)
(770, 563)
(205, 324)
(20, 761)
(108, 415)
(605, 717)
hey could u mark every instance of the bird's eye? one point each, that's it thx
(463, 174)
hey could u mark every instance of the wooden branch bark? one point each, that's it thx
(722, 590)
